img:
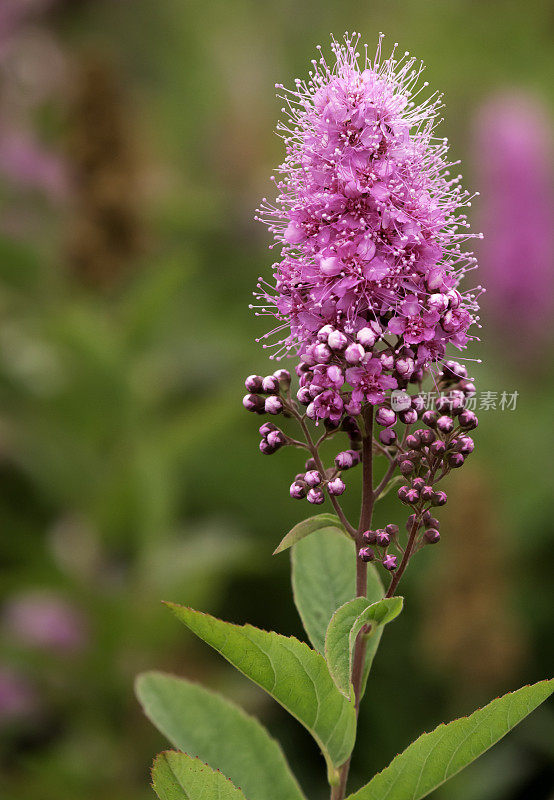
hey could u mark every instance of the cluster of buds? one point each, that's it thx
(271, 395)
(264, 393)
(311, 483)
(424, 457)
(380, 539)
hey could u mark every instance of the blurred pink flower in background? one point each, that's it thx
(28, 164)
(14, 12)
(513, 153)
(45, 620)
(18, 700)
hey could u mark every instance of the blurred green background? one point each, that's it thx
(136, 139)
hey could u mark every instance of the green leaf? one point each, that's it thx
(290, 672)
(177, 776)
(346, 623)
(435, 757)
(206, 725)
(323, 522)
(324, 578)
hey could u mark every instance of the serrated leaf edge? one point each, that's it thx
(165, 753)
(328, 760)
(457, 719)
(244, 714)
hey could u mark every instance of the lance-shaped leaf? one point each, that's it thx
(177, 776)
(324, 578)
(435, 757)
(322, 522)
(206, 725)
(296, 676)
(346, 623)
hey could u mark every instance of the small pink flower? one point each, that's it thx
(369, 383)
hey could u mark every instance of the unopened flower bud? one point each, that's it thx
(418, 483)
(430, 520)
(468, 420)
(409, 496)
(366, 554)
(443, 405)
(301, 368)
(253, 402)
(276, 439)
(266, 428)
(316, 497)
(337, 340)
(452, 370)
(273, 404)
(369, 536)
(303, 396)
(385, 417)
(367, 337)
(344, 460)
(266, 448)
(438, 448)
(406, 467)
(354, 353)
(430, 418)
(298, 490)
(466, 445)
(270, 385)
(427, 493)
(389, 562)
(387, 436)
(324, 333)
(391, 529)
(409, 416)
(336, 487)
(313, 477)
(431, 536)
(254, 383)
(322, 353)
(311, 412)
(445, 424)
(455, 460)
(314, 390)
(427, 437)
(383, 539)
(468, 388)
(283, 376)
(439, 499)
(404, 367)
(387, 360)
(413, 441)
(418, 403)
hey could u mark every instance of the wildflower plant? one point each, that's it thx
(367, 296)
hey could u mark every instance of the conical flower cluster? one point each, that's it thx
(368, 220)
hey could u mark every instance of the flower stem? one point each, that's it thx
(368, 499)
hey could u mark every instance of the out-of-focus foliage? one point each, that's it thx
(136, 138)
